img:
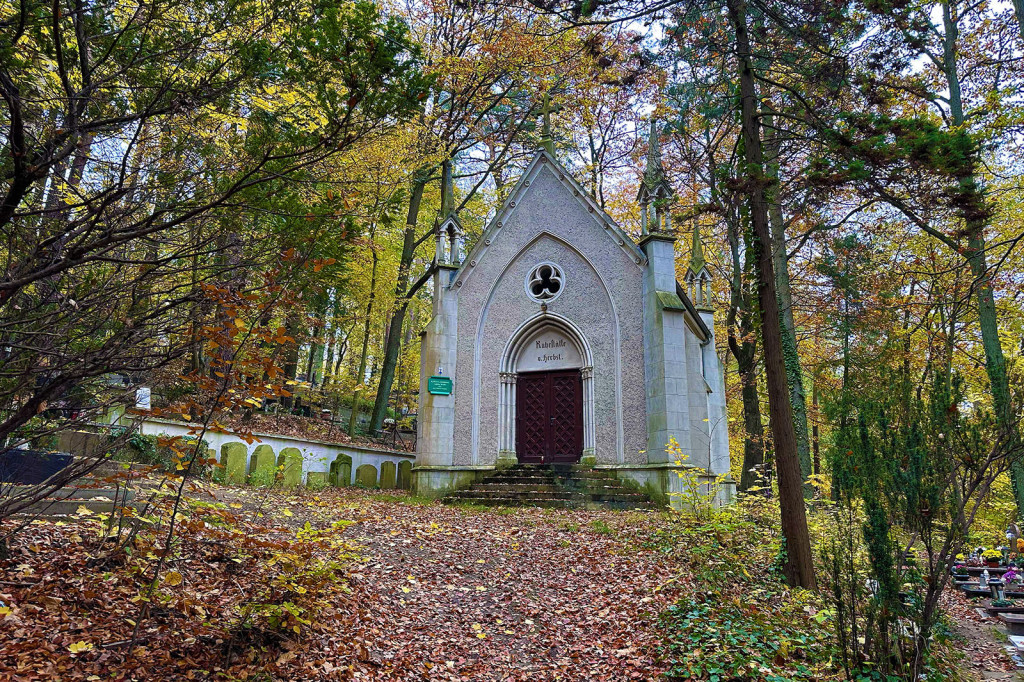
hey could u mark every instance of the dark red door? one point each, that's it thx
(549, 417)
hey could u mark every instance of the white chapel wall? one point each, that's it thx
(602, 297)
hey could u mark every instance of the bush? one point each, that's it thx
(744, 622)
(161, 452)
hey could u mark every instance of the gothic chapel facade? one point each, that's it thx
(560, 340)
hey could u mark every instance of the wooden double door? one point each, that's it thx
(549, 417)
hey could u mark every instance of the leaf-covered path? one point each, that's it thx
(435, 593)
(459, 594)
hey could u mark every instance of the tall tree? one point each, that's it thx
(799, 566)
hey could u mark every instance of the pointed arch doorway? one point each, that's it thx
(546, 404)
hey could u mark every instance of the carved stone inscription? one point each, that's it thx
(549, 349)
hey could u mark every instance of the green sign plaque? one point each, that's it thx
(439, 385)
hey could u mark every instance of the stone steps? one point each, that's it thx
(68, 501)
(572, 487)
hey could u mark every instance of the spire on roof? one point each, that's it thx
(655, 173)
(448, 227)
(655, 193)
(447, 190)
(698, 278)
(546, 141)
(697, 261)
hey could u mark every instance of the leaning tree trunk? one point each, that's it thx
(794, 373)
(799, 564)
(393, 342)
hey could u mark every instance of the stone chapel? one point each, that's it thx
(560, 340)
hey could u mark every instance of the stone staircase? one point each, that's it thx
(567, 487)
(94, 492)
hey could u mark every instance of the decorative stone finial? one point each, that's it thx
(698, 277)
(449, 228)
(697, 262)
(546, 141)
(655, 173)
(655, 193)
(447, 190)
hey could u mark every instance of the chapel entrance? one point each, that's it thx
(549, 417)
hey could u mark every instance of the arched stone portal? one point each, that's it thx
(544, 343)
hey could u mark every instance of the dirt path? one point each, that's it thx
(457, 594)
(985, 641)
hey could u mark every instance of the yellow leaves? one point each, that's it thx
(479, 630)
(287, 512)
(79, 647)
(173, 579)
(5, 610)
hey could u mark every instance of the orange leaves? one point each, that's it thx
(319, 263)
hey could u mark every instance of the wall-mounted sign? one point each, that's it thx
(439, 385)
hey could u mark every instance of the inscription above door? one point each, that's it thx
(549, 350)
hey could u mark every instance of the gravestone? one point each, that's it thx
(387, 475)
(341, 471)
(232, 459)
(366, 476)
(291, 459)
(262, 465)
(316, 479)
(405, 475)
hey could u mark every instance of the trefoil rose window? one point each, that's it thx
(545, 282)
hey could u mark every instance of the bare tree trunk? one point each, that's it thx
(975, 212)
(361, 373)
(744, 349)
(393, 342)
(291, 353)
(799, 564)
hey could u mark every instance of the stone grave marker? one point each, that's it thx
(387, 475)
(341, 471)
(232, 459)
(405, 475)
(366, 475)
(291, 458)
(262, 460)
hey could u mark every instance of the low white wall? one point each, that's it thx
(316, 455)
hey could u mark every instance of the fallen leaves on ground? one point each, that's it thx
(437, 592)
(984, 654)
